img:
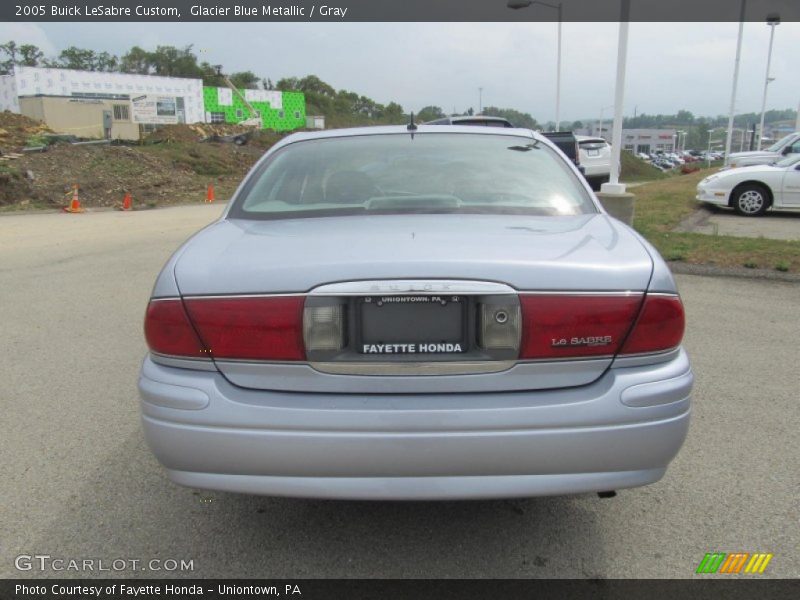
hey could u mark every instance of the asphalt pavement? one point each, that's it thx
(78, 482)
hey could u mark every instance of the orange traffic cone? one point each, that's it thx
(75, 203)
(210, 193)
(127, 202)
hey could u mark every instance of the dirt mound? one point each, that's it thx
(16, 130)
(103, 174)
(158, 174)
(178, 169)
(194, 132)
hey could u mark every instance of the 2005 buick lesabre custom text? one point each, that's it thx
(395, 314)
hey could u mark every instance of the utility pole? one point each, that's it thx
(732, 110)
(797, 122)
(772, 21)
(613, 185)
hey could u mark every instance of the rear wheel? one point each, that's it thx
(750, 200)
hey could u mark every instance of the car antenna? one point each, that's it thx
(412, 127)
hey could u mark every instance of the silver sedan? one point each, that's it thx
(415, 313)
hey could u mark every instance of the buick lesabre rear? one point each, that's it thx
(430, 313)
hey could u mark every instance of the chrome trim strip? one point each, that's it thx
(666, 294)
(645, 358)
(229, 296)
(413, 368)
(581, 293)
(505, 290)
(412, 286)
(198, 364)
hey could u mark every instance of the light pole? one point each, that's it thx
(729, 137)
(773, 20)
(600, 125)
(517, 4)
(614, 186)
(480, 100)
(678, 135)
(797, 123)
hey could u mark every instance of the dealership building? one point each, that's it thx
(638, 140)
(97, 104)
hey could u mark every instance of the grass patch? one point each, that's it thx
(633, 169)
(782, 266)
(662, 205)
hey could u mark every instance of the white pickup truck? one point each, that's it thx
(785, 147)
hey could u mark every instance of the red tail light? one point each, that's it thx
(256, 328)
(562, 326)
(659, 327)
(168, 331)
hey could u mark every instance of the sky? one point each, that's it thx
(671, 66)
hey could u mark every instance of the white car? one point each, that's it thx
(785, 147)
(595, 158)
(751, 191)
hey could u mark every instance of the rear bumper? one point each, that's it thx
(596, 170)
(621, 431)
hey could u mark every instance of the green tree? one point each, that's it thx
(30, 55)
(517, 118)
(245, 80)
(136, 60)
(429, 113)
(82, 59)
(684, 117)
(170, 61)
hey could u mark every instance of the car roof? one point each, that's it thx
(403, 129)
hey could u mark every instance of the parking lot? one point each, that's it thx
(775, 225)
(77, 480)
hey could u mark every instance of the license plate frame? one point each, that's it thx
(409, 324)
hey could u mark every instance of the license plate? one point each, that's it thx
(412, 325)
(593, 152)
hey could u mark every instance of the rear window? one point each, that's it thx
(431, 173)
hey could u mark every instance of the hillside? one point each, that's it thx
(171, 166)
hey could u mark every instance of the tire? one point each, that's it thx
(750, 200)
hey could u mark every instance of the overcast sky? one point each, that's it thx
(670, 65)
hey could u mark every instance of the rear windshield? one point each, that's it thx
(431, 173)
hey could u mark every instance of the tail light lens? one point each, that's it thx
(499, 327)
(561, 326)
(168, 331)
(659, 327)
(255, 328)
(323, 327)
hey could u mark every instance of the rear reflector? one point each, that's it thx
(255, 328)
(168, 331)
(659, 327)
(563, 326)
